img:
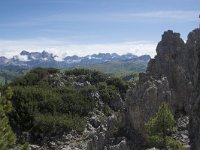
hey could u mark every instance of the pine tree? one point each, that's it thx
(7, 137)
(160, 129)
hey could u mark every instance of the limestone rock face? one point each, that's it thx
(170, 62)
(193, 46)
(116, 102)
(181, 134)
(192, 56)
(172, 76)
(164, 80)
(144, 100)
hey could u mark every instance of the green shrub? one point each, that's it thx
(107, 92)
(154, 141)
(107, 110)
(24, 147)
(7, 137)
(55, 124)
(34, 77)
(92, 76)
(161, 127)
(118, 84)
(173, 144)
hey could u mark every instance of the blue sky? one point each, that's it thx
(82, 27)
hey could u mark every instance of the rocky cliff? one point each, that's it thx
(171, 62)
(193, 46)
(172, 76)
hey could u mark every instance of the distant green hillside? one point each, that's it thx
(118, 67)
(9, 75)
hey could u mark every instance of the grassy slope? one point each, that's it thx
(118, 67)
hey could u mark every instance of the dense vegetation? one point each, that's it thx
(6, 76)
(48, 102)
(7, 137)
(118, 69)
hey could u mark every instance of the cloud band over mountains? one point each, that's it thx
(60, 48)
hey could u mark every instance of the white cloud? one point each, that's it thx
(174, 15)
(22, 58)
(61, 48)
(168, 14)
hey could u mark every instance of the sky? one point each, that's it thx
(84, 27)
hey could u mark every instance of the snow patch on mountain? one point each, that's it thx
(21, 58)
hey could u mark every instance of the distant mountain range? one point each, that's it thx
(44, 59)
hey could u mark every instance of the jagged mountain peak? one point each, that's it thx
(46, 59)
(35, 56)
(145, 57)
(24, 52)
(170, 41)
(170, 33)
(3, 59)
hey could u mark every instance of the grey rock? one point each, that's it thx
(34, 147)
(116, 101)
(193, 46)
(170, 62)
(152, 148)
(121, 146)
(144, 101)
(95, 122)
(183, 122)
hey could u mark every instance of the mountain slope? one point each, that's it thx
(104, 62)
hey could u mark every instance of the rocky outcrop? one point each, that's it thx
(144, 100)
(172, 76)
(116, 102)
(161, 82)
(182, 134)
(121, 146)
(103, 137)
(193, 46)
(98, 135)
(170, 62)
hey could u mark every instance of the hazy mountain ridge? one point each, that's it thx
(104, 62)
(45, 59)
